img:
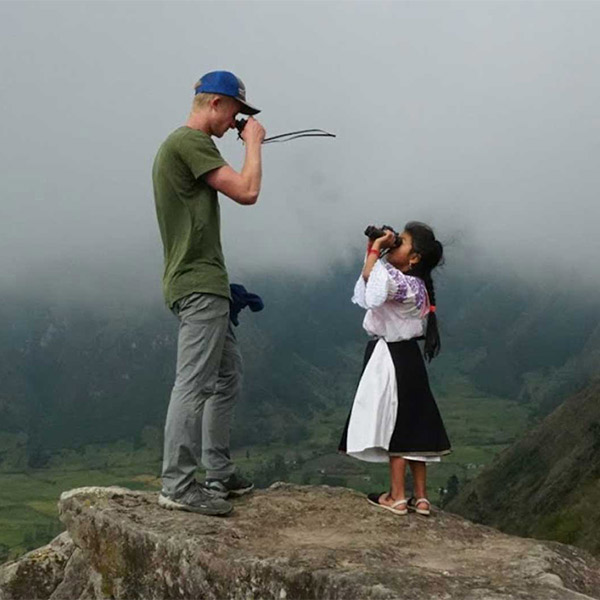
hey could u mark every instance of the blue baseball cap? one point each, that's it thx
(226, 84)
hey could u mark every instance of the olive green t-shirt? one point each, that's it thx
(188, 215)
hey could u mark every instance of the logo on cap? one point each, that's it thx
(241, 89)
(226, 84)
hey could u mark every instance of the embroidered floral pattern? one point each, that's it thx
(404, 283)
(418, 287)
(400, 281)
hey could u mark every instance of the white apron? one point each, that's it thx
(375, 409)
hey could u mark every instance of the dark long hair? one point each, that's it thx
(432, 254)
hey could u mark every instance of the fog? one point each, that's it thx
(478, 118)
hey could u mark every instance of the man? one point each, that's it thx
(188, 172)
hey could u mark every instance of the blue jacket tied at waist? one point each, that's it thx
(240, 299)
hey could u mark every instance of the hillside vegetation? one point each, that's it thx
(546, 485)
(85, 387)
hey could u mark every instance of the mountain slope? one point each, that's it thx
(547, 485)
(75, 374)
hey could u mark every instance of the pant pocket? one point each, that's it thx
(202, 307)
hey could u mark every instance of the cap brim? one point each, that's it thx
(248, 109)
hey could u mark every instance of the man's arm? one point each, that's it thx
(242, 187)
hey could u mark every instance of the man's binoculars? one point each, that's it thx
(240, 124)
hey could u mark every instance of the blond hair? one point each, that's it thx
(202, 99)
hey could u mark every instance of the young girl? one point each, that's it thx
(394, 416)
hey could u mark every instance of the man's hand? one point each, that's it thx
(253, 132)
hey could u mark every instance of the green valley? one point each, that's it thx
(85, 387)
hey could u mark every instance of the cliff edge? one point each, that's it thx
(284, 543)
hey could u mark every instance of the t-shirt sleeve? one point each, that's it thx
(200, 154)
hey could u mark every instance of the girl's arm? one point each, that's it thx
(373, 250)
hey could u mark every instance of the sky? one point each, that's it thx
(480, 118)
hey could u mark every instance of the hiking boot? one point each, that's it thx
(196, 499)
(234, 485)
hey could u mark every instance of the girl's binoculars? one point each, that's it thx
(373, 233)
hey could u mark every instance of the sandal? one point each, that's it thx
(413, 505)
(399, 507)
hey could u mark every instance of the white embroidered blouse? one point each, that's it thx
(396, 304)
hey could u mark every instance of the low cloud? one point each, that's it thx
(480, 119)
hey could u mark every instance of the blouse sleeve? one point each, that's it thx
(378, 286)
(406, 288)
(358, 297)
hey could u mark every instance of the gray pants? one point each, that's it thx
(207, 385)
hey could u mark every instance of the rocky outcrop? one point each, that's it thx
(288, 542)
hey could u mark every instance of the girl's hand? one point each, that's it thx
(385, 241)
(373, 250)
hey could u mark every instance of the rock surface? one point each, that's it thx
(284, 543)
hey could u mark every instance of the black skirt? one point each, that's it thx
(419, 429)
